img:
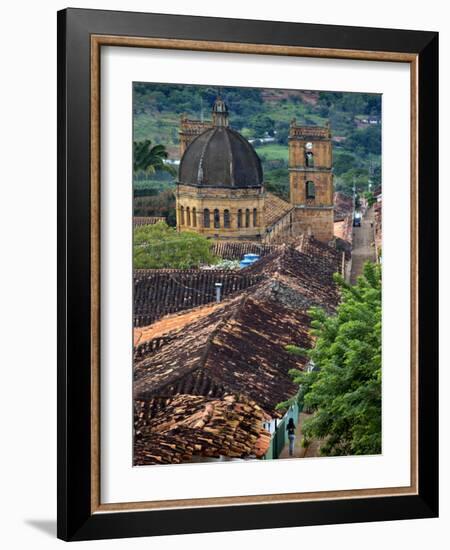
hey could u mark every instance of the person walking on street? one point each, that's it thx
(290, 428)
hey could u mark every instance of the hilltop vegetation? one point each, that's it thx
(264, 114)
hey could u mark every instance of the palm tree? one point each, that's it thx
(150, 159)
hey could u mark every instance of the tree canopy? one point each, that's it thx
(150, 159)
(160, 246)
(344, 388)
(160, 203)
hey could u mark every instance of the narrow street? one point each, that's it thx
(363, 245)
(299, 451)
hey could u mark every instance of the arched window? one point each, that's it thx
(226, 218)
(309, 158)
(206, 220)
(182, 215)
(188, 216)
(216, 218)
(239, 218)
(310, 190)
(247, 217)
(255, 217)
(194, 217)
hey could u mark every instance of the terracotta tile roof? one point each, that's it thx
(147, 220)
(172, 322)
(274, 209)
(239, 349)
(158, 292)
(174, 430)
(235, 250)
(205, 380)
(310, 266)
(343, 206)
(327, 258)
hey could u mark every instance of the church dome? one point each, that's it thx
(220, 157)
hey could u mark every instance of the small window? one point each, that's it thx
(255, 217)
(247, 217)
(309, 157)
(226, 218)
(194, 217)
(310, 190)
(182, 215)
(206, 220)
(188, 216)
(216, 219)
(239, 218)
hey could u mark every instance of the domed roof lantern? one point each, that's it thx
(219, 112)
(220, 157)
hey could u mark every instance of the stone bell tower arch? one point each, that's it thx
(311, 180)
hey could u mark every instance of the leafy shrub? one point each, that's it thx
(160, 246)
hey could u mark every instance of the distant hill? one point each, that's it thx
(263, 116)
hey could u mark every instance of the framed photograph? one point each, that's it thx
(247, 274)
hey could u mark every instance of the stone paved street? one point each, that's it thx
(363, 245)
(299, 451)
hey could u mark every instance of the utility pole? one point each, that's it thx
(354, 195)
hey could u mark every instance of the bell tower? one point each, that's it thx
(311, 180)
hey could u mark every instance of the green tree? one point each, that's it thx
(262, 124)
(277, 182)
(367, 140)
(150, 159)
(160, 246)
(282, 131)
(344, 388)
(342, 163)
(359, 177)
(370, 198)
(160, 203)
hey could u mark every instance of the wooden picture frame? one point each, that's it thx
(81, 35)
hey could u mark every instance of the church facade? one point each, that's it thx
(220, 189)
